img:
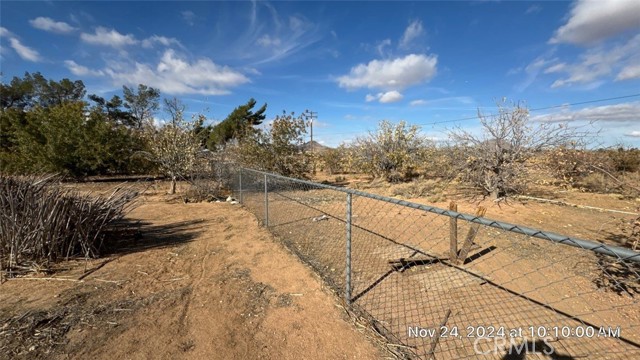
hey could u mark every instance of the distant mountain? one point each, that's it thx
(314, 146)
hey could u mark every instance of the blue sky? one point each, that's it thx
(354, 63)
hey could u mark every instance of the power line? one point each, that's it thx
(542, 108)
(531, 110)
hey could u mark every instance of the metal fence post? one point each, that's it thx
(240, 186)
(347, 293)
(266, 202)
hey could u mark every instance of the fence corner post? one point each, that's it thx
(347, 293)
(240, 186)
(266, 201)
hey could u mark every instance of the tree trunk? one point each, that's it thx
(495, 194)
(172, 190)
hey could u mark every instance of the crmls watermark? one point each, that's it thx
(513, 346)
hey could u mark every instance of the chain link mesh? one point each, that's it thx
(514, 296)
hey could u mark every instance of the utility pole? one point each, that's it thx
(311, 115)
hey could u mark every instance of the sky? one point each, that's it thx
(431, 63)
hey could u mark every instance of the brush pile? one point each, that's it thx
(41, 222)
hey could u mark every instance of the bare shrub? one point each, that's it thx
(494, 161)
(602, 170)
(441, 162)
(569, 164)
(42, 223)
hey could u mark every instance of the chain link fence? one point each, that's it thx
(439, 284)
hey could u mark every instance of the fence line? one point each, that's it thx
(402, 270)
(623, 253)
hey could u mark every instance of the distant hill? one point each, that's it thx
(314, 146)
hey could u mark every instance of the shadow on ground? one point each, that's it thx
(131, 236)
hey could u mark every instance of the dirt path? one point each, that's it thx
(200, 281)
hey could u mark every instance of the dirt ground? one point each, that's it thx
(193, 281)
(205, 281)
(609, 227)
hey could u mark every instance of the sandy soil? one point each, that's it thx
(193, 281)
(590, 224)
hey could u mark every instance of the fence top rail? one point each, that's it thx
(615, 251)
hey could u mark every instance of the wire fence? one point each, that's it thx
(439, 284)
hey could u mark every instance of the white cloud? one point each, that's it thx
(277, 38)
(79, 70)
(514, 71)
(298, 24)
(630, 72)
(393, 74)
(592, 21)
(385, 97)
(447, 103)
(634, 133)
(268, 41)
(412, 32)
(624, 112)
(104, 36)
(390, 97)
(189, 17)
(533, 9)
(25, 52)
(5, 33)
(532, 71)
(600, 62)
(381, 45)
(162, 40)
(555, 68)
(175, 75)
(48, 24)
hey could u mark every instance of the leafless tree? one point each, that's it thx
(494, 161)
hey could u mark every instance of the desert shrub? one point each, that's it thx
(415, 188)
(624, 159)
(336, 161)
(41, 222)
(277, 149)
(392, 152)
(596, 182)
(602, 170)
(441, 162)
(570, 165)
